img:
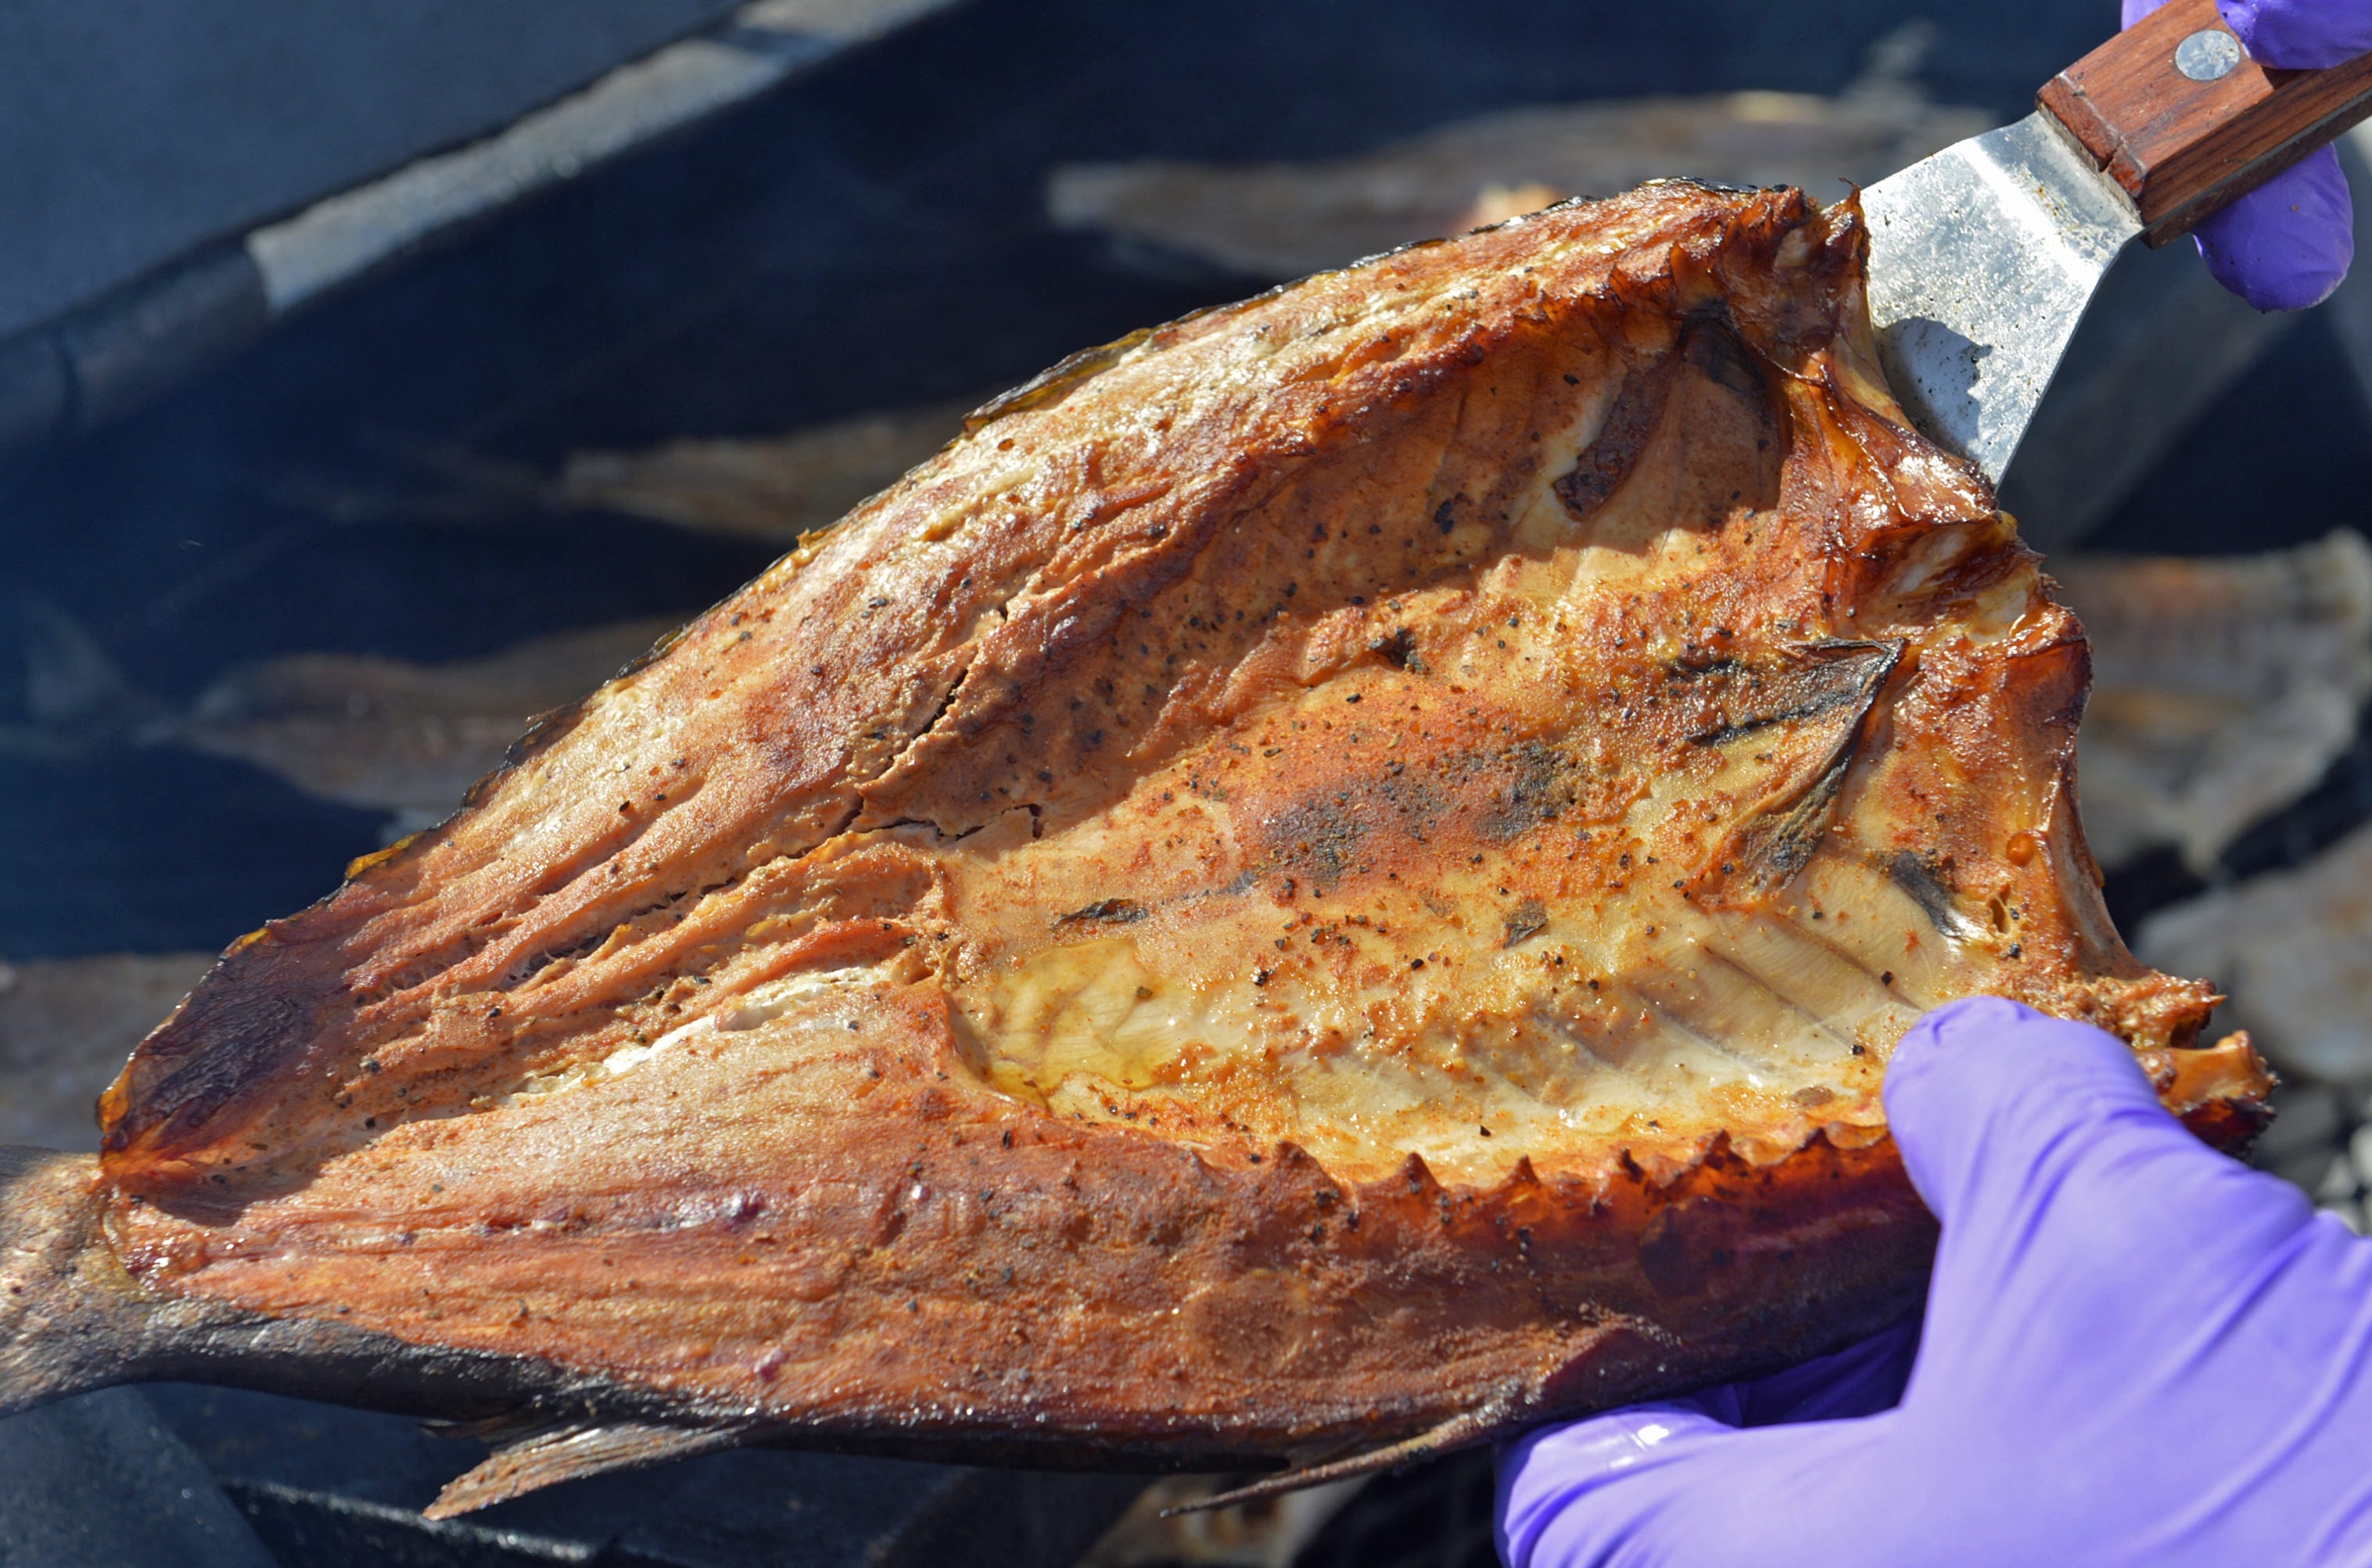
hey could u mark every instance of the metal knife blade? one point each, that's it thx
(1982, 258)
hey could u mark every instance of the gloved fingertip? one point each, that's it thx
(1617, 1440)
(1556, 1481)
(1988, 1081)
(2296, 35)
(1962, 1045)
(2286, 245)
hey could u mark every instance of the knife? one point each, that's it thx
(1983, 258)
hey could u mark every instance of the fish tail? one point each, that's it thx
(71, 1320)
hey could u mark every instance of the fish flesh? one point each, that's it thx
(1334, 878)
(1279, 220)
(2295, 948)
(2223, 688)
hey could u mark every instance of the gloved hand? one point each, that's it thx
(2135, 1351)
(2287, 244)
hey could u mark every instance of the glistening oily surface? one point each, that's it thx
(1340, 870)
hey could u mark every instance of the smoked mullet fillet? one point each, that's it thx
(1332, 879)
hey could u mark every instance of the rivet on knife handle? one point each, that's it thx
(2174, 111)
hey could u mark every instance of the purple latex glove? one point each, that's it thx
(2287, 244)
(2135, 1351)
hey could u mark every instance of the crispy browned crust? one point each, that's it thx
(869, 1232)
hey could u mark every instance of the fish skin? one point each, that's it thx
(732, 1060)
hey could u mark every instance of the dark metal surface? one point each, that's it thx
(99, 1483)
(170, 278)
(132, 130)
(1437, 1515)
(2161, 343)
(182, 1477)
(321, 1484)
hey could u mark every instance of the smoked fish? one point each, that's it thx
(1331, 879)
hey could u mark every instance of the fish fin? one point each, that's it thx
(570, 1453)
(1828, 695)
(1464, 1431)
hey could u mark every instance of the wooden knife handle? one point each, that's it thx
(2175, 111)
